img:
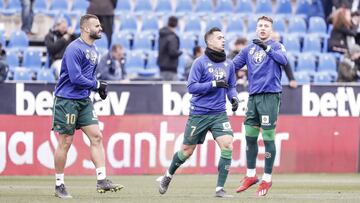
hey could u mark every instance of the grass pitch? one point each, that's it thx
(184, 188)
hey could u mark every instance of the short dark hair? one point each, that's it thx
(210, 32)
(266, 18)
(85, 18)
(196, 49)
(172, 21)
(240, 40)
(115, 47)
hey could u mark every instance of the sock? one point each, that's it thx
(59, 179)
(178, 159)
(266, 177)
(101, 173)
(224, 166)
(270, 152)
(218, 188)
(168, 174)
(251, 151)
(250, 172)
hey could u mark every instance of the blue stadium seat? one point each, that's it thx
(297, 25)
(322, 77)
(279, 25)
(122, 38)
(2, 39)
(123, 7)
(317, 25)
(151, 69)
(150, 24)
(224, 7)
(327, 63)
(32, 59)
(263, 7)
(302, 7)
(244, 7)
(13, 7)
(235, 24)
(291, 60)
(187, 41)
(183, 7)
(312, 43)
(12, 58)
(306, 63)
(203, 7)
(283, 7)
(135, 61)
(151, 60)
(79, 7)
(102, 43)
(302, 77)
(22, 74)
(128, 23)
(45, 75)
(192, 24)
(41, 6)
(18, 40)
(213, 22)
(251, 24)
(142, 6)
(143, 41)
(163, 7)
(58, 7)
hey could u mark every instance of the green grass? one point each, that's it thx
(184, 188)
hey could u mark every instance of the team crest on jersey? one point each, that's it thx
(259, 56)
(218, 73)
(92, 56)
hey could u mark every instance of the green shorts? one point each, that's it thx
(71, 114)
(197, 127)
(263, 110)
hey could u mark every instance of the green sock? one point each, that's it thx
(178, 159)
(270, 152)
(251, 151)
(224, 166)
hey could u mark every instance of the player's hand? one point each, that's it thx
(220, 84)
(293, 84)
(260, 43)
(102, 90)
(235, 103)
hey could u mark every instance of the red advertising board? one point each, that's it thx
(144, 144)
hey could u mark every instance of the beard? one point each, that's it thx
(94, 35)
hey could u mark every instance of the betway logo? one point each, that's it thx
(175, 104)
(41, 104)
(132, 148)
(342, 103)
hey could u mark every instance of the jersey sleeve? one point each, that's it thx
(240, 59)
(231, 92)
(194, 86)
(73, 61)
(278, 53)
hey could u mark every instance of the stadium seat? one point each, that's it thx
(279, 25)
(41, 6)
(12, 58)
(13, 7)
(283, 7)
(163, 7)
(150, 24)
(151, 60)
(45, 75)
(306, 63)
(2, 39)
(251, 24)
(317, 25)
(302, 78)
(235, 24)
(192, 24)
(302, 7)
(18, 40)
(327, 63)
(213, 21)
(123, 7)
(22, 74)
(32, 59)
(203, 7)
(263, 7)
(322, 77)
(244, 7)
(135, 61)
(143, 42)
(79, 7)
(187, 41)
(291, 59)
(312, 43)
(297, 25)
(142, 7)
(102, 43)
(183, 7)
(128, 23)
(122, 38)
(58, 7)
(224, 7)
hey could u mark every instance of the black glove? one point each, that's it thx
(235, 103)
(102, 90)
(220, 84)
(260, 43)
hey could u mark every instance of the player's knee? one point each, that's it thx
(226, 153)
(96, 139)
(188, 150)
(228, 145)
(268, 135)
